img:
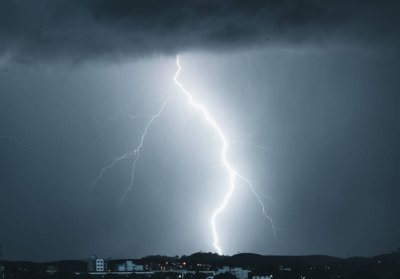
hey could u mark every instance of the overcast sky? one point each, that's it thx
(306, 91)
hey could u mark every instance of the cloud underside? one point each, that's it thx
(92, 29)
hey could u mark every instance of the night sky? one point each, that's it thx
(306, 91)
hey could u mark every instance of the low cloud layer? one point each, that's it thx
(93, 29)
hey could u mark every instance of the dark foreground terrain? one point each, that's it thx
(385, 266)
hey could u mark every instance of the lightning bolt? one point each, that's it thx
(233, 174)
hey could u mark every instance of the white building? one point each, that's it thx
(121, 267)
(129, 266)
(261, 277)
(223, 270)
(138, 267)
(99, 264)
(51, 270)
(237, 271)
(240, 273)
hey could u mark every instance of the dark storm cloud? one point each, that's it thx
(36, 30)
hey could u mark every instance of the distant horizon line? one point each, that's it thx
(201, 252)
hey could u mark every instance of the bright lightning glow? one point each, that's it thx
(232, 173)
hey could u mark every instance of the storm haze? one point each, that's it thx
(307, 91)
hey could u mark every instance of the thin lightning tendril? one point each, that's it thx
(133, 153)
(258, 146)
(17, 141)
(253, 190)
(232, 173)
(139, 147)
(130, 118)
